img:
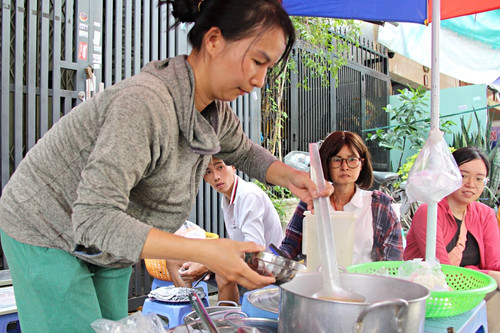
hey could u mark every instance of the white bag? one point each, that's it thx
(435, 173)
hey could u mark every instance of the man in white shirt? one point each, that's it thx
(249, 215)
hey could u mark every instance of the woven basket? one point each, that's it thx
(157, 268)
(469, 287)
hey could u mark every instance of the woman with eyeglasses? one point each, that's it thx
(467, 230)
(347, 165)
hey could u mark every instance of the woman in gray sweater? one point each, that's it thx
(110, 182)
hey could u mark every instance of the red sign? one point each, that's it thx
(83, 50)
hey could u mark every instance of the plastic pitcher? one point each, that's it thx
(343, 230)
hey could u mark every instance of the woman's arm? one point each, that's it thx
(388, 229)
(292, 243)
(298, 182)
(491, 240)
(221, 256)
(416, 244)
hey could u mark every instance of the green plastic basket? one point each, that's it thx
(469, 287)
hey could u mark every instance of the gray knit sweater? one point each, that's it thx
(129, 159)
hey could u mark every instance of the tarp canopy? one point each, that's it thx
(416, 11)
(469, 45)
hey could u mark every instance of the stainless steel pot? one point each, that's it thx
(392, 305)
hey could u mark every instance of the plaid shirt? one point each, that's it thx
(387, 236)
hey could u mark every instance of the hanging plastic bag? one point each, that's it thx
(434, 173)
(135, 323)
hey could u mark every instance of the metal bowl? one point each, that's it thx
(266, 263)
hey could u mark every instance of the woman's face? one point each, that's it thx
(345, 174)
(473, 175)
(242, 65)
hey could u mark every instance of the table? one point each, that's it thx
(474, 320)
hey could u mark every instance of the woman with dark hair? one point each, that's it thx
(346, 163)
(467, 230)
(114, 178)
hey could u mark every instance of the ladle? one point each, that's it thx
(331, 288)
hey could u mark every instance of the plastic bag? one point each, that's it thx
(427, 273)
(191, 230)
(135, 323)
(299, 160)
(435, 173)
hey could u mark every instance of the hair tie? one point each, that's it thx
(199, 4)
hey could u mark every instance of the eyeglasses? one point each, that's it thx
(352, 162)
(477, 181)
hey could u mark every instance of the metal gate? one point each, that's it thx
(354, 104)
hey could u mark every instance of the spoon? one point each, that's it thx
(331, 288)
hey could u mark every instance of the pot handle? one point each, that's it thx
(400, 310)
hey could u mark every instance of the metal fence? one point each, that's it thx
(352, 103)
(49, 48)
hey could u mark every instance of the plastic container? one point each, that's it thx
(343, 230)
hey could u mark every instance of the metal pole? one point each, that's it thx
(435, 84)
(430, 249)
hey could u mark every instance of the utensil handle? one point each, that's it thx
(202, 312)
(274, 249)
(201, 279)
(399, 305)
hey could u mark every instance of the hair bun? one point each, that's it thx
(185, 10)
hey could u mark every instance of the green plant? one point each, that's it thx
(278, 196)
(412, 123)
(404, 170)
(321, 52)
(466, 137)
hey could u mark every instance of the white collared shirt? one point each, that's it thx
(361, 204)
(251, 216)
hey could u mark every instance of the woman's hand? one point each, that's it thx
(221, 256)
(224, 257)
(297, 181)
